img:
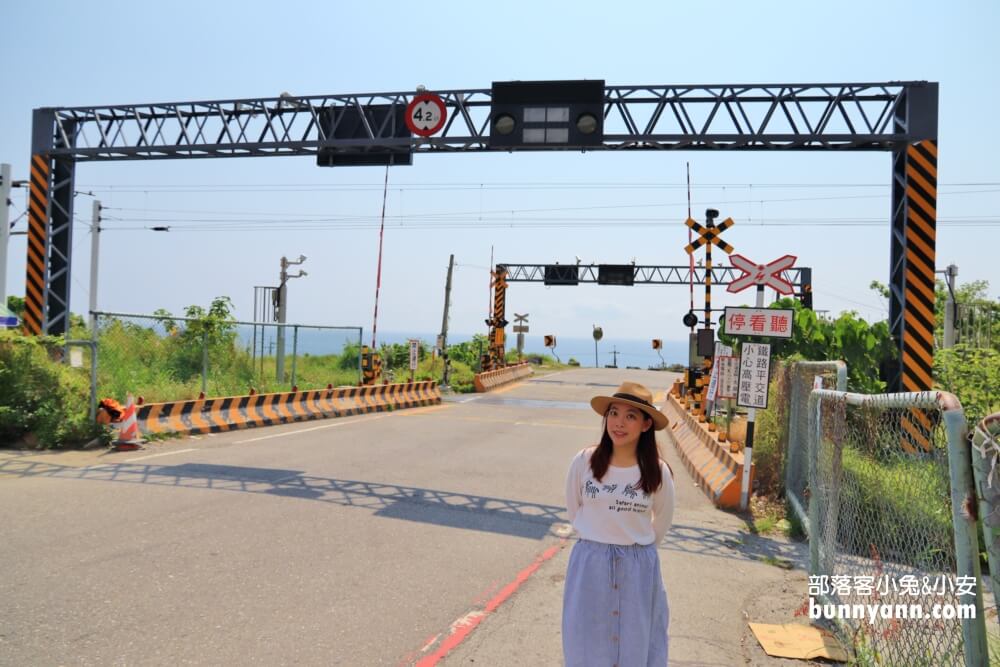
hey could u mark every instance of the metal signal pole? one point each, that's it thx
(283, 311)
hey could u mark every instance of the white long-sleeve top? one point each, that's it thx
(615, 510)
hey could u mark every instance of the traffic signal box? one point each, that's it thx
(371, 366)
(547, 114)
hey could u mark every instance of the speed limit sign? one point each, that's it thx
(425, 114)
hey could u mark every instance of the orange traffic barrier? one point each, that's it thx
(501, 376)
(715, 469)
(214, 415)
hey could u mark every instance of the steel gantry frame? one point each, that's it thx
(590, 273)
(899, 117)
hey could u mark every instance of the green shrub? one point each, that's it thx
(770, 437)
(902, 507)
(973, 375)
(40, 396)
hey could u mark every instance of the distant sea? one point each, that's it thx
(630, 352)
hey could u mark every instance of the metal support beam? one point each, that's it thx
(852, 116)
(913, 240)
(901, 117)
(648, 274)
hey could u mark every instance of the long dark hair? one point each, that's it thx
(650, 475)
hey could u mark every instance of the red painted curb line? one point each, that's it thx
(464, 626)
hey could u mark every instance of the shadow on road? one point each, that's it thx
(446, 508)
(693, 539)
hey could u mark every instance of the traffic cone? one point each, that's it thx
(128, 432)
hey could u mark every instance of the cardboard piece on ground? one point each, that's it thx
(794, 640)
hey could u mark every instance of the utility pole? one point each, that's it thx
(95, 248)
(444, 323)
(5, 186)
(950, 306)
(283, 311)
(614, 353)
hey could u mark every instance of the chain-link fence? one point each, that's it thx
(798, 379)
(165, 358)
(986, 467)
(890, 486)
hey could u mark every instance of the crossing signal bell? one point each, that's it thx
(547, 114)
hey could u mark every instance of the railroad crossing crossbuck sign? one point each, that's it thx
(768, 275)
(709, 235)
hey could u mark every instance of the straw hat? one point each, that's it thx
(633, 394)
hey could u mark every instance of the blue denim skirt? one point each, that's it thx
(615, 610)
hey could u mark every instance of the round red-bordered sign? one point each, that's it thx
(426, 114)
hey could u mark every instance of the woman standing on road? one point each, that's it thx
(620, 499)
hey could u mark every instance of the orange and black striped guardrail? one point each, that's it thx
(715, 469)
(38, 215)
(918, 332)
(493, 379)
(214, 415)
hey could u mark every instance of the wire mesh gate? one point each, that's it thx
(890, 483)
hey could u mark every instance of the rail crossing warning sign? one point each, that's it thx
(767, 322)
(755, 367)
(708, 235)
(768, 275)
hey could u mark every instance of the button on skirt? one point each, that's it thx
(615, 610)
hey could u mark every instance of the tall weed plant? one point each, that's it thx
(43, 403)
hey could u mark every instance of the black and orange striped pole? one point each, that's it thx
(498, 340)
(38, 214)
(708, 236)
(919, 318)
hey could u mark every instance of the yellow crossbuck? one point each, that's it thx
(709, 235)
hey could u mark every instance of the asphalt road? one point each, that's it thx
(347, 542)
(384, 539)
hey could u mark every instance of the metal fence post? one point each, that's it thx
(204, 362)
(295, 350)
(966, 540)
(815, 434)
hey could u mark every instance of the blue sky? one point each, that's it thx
(77, 54)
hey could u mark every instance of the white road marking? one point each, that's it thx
(153, 456)
(307, 430)
(470, 399)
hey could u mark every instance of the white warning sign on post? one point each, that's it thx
(755, 366)
(414, 353)
(713, 383)
(728, 376)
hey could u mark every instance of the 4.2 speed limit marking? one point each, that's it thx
(426, 114)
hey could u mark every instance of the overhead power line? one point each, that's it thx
(552, 185)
